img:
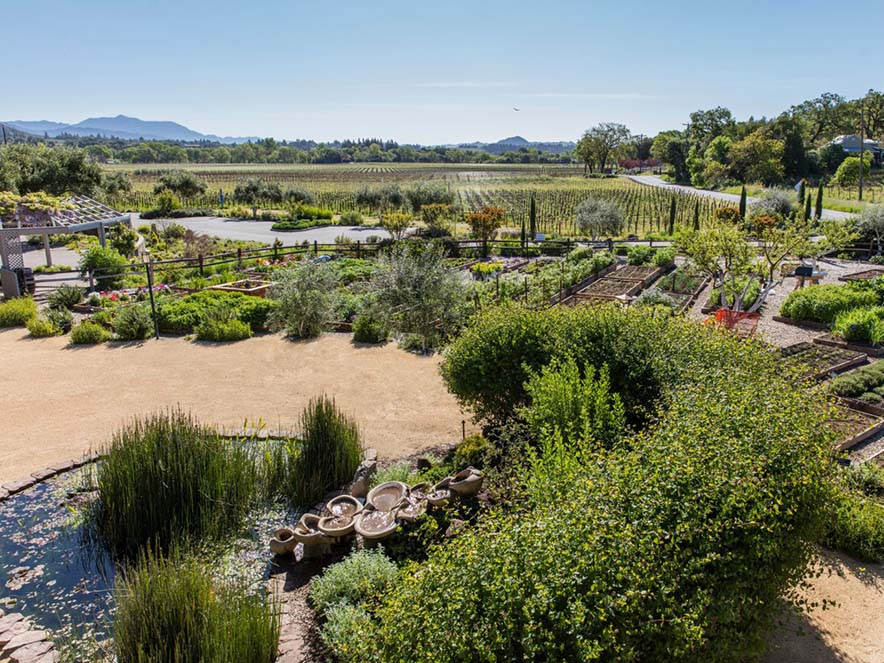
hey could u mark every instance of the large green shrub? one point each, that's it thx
(108, 266)
(345, 630)
(185, 314)
(674, 545)
(166, 478)
(368, 328)
(65, 296)
(857, 527)
(89, 333)
(328, 451)
(361, 577)
(823, 303)
(305, 298)
(133, 323)
(221, 325)
(41, 327)
(864, 325)
(171, 610)
(17, 312)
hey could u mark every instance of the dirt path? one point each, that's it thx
(850, 632)
(59, 401)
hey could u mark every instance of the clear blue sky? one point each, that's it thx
(429, 72)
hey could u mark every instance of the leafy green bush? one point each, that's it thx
(472, 451)
(65, 296)
(165, 479)
(61, 318)
(16, 312)
(683, 280)
(580, 253)
(823, 303)
(351, 218)
(360, 578)
(133, 323)
(749, 298)
(89, 333)
(345, 630)
(665, 256)
(572, 407)
(170, 610)
(369, 329)
(863, 379)
(185, 314)
(639, 254)
(655, 298)
(857, 527)
(40, 327)
(108, 265)
(662, 548)
(328, 452)
(401, 471)
(221, 325)
(863, 325)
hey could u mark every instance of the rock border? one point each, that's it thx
(11, 488)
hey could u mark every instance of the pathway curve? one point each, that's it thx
(653, 180)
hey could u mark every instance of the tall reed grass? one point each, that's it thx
(165, 479)
(168, 609)
(327, 453)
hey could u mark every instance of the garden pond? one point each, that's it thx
(53, 571)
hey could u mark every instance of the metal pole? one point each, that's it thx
(862, 145)
(148, 267)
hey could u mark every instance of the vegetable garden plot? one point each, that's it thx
(853, 426)
(821, 360)
(866, 275)
(610, 288)
(644, 273)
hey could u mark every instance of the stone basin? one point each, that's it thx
(374, 525)
(387, 496)
(440, 493)
(336, 526)
(283, 541)
(343, 505)
(466, 482)
(307, 531)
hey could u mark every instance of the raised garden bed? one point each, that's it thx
(822, 360)
(567, 297)
(862, 406)
(644, 273)
(853, 426)
(253, 287)
(866, 275)
(855, 346)
(808, 324)
(609, 288)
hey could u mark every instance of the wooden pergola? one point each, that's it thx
(82, 214)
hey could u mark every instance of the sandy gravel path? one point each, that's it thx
(59, 401)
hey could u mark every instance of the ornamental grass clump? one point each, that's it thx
(171, 610)
(326, 454)
(166, 478)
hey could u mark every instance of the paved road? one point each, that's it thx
(653, 180)
(259, 231)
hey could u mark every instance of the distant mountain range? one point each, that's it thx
(121, 126)
(514, 143)
(132, 128)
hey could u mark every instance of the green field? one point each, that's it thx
(557, 190)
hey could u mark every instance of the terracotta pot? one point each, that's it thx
(375, 525)
(387, 496)
(283, 541)
(466, 482)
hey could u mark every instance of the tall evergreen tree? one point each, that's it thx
(818, 212)
(697, 215)
(533, 219)
(743, 203)
(802, 189)
(523, 233)
(671, 229)
(807, 207)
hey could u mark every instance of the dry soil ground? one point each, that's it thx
(59, 401)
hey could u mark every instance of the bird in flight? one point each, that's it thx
(516, 109)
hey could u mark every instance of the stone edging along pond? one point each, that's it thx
(11, 488)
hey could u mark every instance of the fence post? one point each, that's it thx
(148, 267)
(526, 291)
(91, 281)
(315, 248)
(238, 259)
(358, 249)
(202, 272)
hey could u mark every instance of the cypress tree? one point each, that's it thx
(807, 207)
(533, 216)
(697, 215)
(743, 203)
(523, 233)
(671, 228)
(818, 212)
(802, 189)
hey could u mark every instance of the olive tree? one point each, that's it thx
(871, 224)
(305, 299)
(599, 217)
(182, 183)
(415, 293)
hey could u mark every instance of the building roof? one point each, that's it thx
(80, 213)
